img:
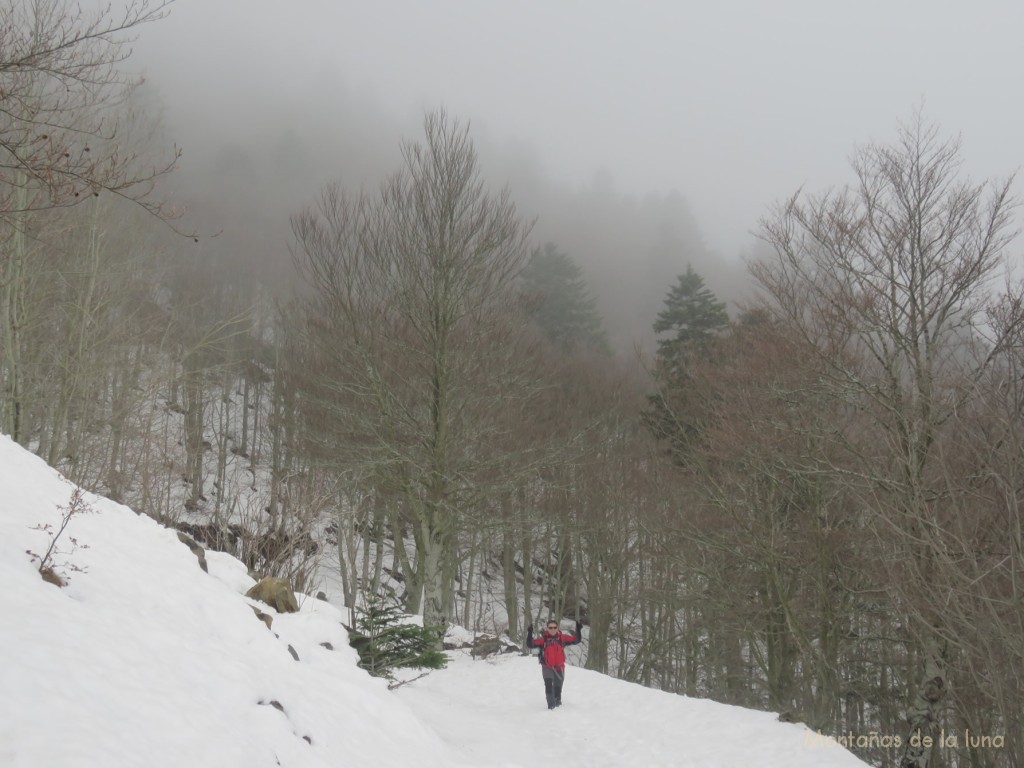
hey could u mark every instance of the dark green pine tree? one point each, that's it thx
(692, 316)
(385, 641)
(560, 304)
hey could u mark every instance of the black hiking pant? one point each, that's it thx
(553, 679)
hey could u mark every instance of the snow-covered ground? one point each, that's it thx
(143, 660)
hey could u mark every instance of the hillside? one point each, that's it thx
(143, 659)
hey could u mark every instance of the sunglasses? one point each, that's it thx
(552, 626)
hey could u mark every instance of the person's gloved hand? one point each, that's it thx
(579, 627)
(530, 629)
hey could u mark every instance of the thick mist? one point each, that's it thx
(639, 140)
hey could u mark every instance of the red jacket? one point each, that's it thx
(552, 647)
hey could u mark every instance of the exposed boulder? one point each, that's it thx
(275, 592)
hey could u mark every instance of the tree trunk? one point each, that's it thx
(434, 544)
(527, 545)
(192, 388)
(12, 317)
(510, 581)
(922, 715)
(599, 616)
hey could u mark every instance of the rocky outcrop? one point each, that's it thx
(197, 550)
(266, 618)
(485, 645)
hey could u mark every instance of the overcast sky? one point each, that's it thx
(733, 104)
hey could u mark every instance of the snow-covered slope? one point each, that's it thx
(143, 661)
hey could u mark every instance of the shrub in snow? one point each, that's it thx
(54, 561)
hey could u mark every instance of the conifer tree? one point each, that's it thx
(561, 305)
(692, 315)
(385, 641)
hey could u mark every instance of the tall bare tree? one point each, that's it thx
(889, 281)
(413, 307)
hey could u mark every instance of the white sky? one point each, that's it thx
(145, 661)
(734, 104)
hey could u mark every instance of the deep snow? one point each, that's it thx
(143, 660)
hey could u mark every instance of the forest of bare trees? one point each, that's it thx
(810, 505)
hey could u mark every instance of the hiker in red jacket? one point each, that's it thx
(552, 657)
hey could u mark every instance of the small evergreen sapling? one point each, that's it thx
(385, 641)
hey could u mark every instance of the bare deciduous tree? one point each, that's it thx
(61, 86)
(412, 303)
(889, 282)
